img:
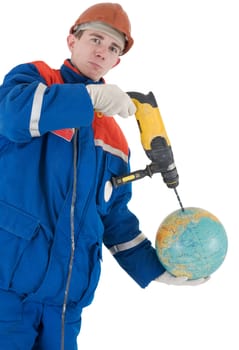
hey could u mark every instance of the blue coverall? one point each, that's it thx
(53, 149)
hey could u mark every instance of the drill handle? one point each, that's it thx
(149, 119)
(170, 176)
(124, 179)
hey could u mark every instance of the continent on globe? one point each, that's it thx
(191, 243)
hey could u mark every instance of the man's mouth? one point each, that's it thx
(95, 65)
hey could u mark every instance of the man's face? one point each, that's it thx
(94, 53)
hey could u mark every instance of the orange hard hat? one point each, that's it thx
(111, 14)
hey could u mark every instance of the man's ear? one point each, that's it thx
(71, 41)
(116, 64)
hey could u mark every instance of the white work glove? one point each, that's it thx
(167, 278)
(110, 100)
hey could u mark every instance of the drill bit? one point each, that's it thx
(179, 200)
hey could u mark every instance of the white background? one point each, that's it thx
(186, 52)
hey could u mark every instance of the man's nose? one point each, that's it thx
(101, 51)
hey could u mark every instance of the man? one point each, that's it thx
(60, 147)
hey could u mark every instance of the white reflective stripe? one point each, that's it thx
(127, 245)
(36, 110)
(111, 149)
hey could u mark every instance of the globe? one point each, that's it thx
(191, 242)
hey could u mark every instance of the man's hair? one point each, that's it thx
(78, 34)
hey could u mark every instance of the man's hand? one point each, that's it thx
(111, 100)
(167, 278)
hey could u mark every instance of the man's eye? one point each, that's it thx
(115, 50)
(96, 40)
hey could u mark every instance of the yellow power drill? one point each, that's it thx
(155, 142)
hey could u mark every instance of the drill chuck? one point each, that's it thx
(171, 177)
